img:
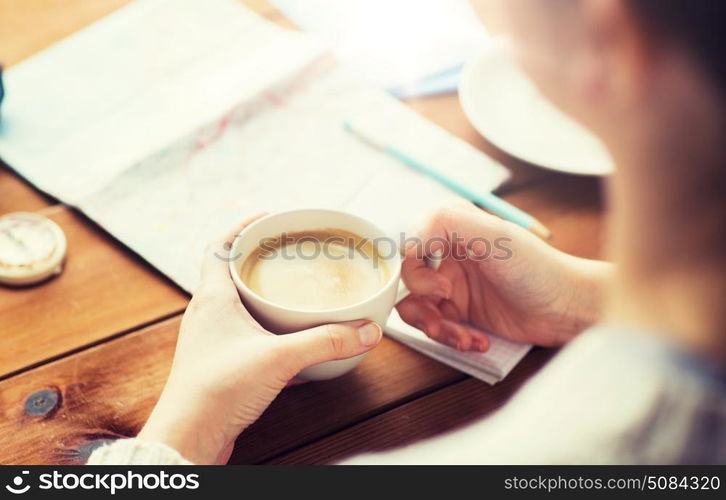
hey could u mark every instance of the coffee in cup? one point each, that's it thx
(315, 270)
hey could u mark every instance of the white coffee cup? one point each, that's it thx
(280, 319)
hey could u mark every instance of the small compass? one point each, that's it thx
(32, 248)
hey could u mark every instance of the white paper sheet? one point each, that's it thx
(491, 366)
(171, 120)
(126, 87)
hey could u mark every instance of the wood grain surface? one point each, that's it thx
(108, 391)
(17, 195)
(104, 392)
(103, 290)
(28, 26)
(440, 411)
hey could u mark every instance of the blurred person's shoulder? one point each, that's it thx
(614, 395)
(618, 394)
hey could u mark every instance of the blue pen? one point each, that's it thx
(2, 87)
(489, 201)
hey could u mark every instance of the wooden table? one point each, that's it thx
(84, 356)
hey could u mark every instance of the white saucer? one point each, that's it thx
(506, 108)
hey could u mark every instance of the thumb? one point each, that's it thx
(329, 342)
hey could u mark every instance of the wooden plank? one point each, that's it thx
(27, 26)
(18, 195)
(108, 391)
(441, 411)
(102, 393)
(103, 290)
(391, 375)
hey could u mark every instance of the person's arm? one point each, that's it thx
(227, 369)
(496, 277)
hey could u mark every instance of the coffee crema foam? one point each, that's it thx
(315, 270)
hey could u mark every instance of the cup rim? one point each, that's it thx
(242, 286)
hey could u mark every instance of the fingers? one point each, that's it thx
(441, 322)
(420, 279)
(329, 342)
(463, 337)
(450, 311)
(215, 266)
(455, 232)
(421, 313)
